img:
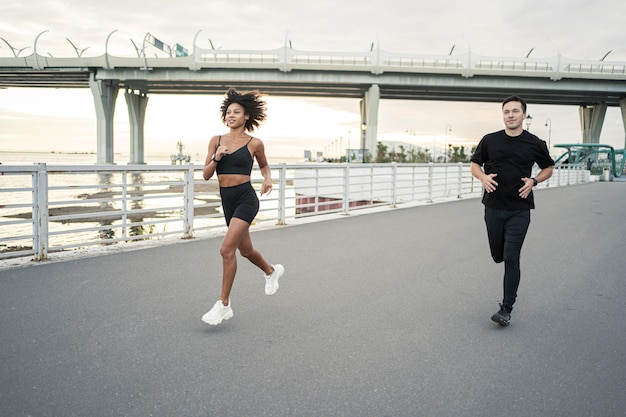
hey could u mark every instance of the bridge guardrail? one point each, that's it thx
(46, 209)
(376, 61)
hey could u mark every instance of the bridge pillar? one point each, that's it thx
(104, 96)
(369, 119)
(591, 120)
(136, 103)
(622, 104)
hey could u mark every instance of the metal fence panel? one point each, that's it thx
(48, 209)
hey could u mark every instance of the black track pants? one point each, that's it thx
(506, 230)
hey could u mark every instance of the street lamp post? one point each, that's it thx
(445, 146)
(529, 120)
(348, 155)
(433, 150)
(340, 148)
(549, 126)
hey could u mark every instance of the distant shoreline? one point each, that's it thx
(8, 157)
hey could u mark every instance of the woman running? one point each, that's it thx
(231, 156)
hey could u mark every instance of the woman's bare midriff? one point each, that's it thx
(231, 180)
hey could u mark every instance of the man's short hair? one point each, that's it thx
(515, 98)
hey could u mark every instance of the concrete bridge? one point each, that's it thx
(378, 314)
(369, 76)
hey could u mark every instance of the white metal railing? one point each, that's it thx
(376, 61)
(46, 209)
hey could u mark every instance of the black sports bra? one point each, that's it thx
(238, 162)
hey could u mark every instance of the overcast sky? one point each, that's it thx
(66, 118)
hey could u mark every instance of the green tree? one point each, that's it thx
(402, 156)
(459, 155)
(381, 153)
(423, 156)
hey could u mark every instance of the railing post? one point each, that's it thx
(413, 182)
(394, 183)
(431, 167)
(445, 180)
(282, 192)
(460, 179)
(188, 195)
(317, 190)
(372, 183)
(346, 190)
(40, 212)
(125, 204)
(569, 174)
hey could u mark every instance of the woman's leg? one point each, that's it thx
(247, 251)
(237, 231)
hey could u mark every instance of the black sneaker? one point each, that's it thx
(503, 316)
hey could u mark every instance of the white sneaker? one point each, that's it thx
(271, 281)
(218, 313)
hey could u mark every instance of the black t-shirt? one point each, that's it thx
(512, 158)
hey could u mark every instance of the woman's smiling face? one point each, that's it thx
(235, 116)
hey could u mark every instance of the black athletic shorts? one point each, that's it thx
(239, 201)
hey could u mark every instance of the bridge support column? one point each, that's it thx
(104, 96)
(136, 103)
(591, 120)
(622, 104)
(369, 119)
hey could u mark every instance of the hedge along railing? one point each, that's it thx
(46, 209)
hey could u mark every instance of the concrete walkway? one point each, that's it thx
(383, 314)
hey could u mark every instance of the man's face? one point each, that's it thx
(513, 115)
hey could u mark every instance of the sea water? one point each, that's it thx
(70, 192)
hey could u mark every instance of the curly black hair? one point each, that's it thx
(252, 104)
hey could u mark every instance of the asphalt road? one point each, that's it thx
(382, 314)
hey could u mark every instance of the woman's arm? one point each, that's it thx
(209, 163)
(259, 154)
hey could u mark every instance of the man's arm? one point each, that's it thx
(489, 184)
(542, 175)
